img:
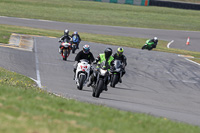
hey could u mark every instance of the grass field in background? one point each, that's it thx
(24, 108)
(100, 13)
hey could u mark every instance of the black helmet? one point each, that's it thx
(108, 53)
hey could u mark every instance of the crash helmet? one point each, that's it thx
(86, 49)
(120, 51)
(66, 32)
(155, 39)
(108, 53)
(75, 33)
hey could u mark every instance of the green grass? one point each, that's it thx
(25, 108)
(89, 12)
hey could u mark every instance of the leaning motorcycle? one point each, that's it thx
(116, 73)
(102, 75)
(75, 41)
(149, 45)
(65, 48)
(82, 73)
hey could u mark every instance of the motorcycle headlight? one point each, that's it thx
(103, 72)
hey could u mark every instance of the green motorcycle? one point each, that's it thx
(149, 45)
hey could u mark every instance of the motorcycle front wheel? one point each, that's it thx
(73, 49)
(115, 80)
(144, 47)
(81, 82)
(99, 88)
(65, 54)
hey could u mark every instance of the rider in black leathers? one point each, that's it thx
(84, 54)
(65, 38)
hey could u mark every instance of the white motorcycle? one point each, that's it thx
(82, 73)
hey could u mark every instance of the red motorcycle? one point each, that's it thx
(65, 50)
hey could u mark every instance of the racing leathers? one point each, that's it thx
(76, 39)
(152, 42)
(64, 38)
(123, 59)
(81, 55)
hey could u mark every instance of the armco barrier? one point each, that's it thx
(174, 4)
(131, 2)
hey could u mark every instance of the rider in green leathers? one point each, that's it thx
(151, 43)
(106, 56)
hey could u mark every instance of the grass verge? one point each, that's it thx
(100, 13)
(25, 108)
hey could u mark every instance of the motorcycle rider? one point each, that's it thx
(65, 38)
(107, 57)
(120, 56)
(76, 40)
(154, 41)
(83, 54)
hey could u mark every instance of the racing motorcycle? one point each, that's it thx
(65, 48)
(116, 73)
(75, 42)
(102, 75)
(149, 45)
(82, 73)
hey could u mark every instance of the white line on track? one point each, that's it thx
(37, 65)
(170, 43)
(192, 61)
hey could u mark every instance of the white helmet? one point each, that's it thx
(155, 39)
(66, 32)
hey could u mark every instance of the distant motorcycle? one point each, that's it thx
(82, 73)
(149, 45)
(65, 48)
(116, 73)
(101, 77)
(75, 41)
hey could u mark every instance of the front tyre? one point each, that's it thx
(114, 80)
(73, 49)
(81, 81)
(99, 88)
(144, 47)
(65, 54)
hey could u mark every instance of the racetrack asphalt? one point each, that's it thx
(156, 83)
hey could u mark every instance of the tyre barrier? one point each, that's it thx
(173, 4)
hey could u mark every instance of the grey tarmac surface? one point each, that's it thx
(179, 37)
(156, 83)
